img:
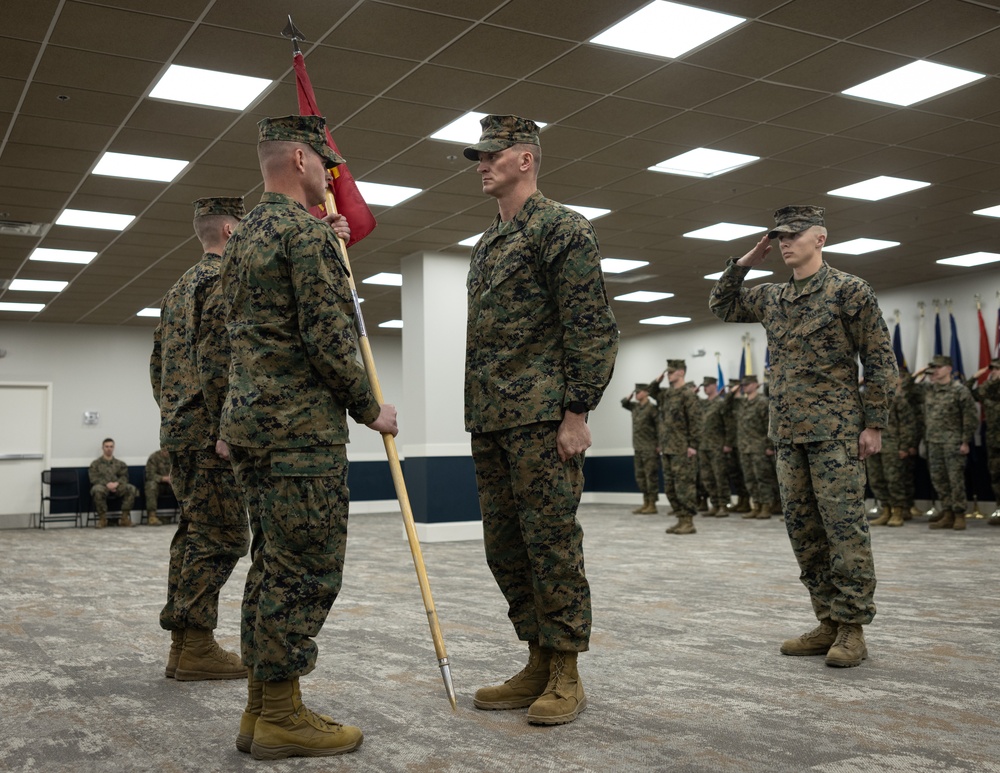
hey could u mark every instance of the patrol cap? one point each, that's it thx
(310, 129)
(502, 131)
(938, 360)
(735, 382)
(220, 205)
(748, 379)
(709, 381)
(796, 218)
(676, 365)
(642, 387)
(690, 385)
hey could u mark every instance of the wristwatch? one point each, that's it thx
(577, 406)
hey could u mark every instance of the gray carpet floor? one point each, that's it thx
(684, 672)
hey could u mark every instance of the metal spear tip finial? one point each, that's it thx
(294, 34)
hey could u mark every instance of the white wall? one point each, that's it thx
(106, 369)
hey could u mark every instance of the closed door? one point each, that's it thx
(24, 448)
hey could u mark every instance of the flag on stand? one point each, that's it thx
(722, 381)
(743, 362)
(923, 353)
(897, 347)
(984, 348)
(955, 352)
(748, 357)
(350, 202)
(937, 332)
(996, 337)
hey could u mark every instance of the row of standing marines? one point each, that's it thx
(254, 369)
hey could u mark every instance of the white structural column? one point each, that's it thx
(440, 476)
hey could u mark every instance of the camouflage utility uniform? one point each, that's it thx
(157, 467)
(758, 466)
(647, 460)
(541, 335)
(988, 395)
(950, 419)
(211, 531)
(889, 474)
(815, 333)
(712, 460)
(737, 480)
(104, 471)
(293, 379)
(679, 427)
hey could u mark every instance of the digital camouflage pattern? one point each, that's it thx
(540, 336)
(644, 441)
(540, 330)
(988, 395)
(298, 501)
(711, 459)
(157, 466)
(104, 471)
(950, 419)
(889, 476)
(815, 336)
(679, 428)
(294, 374)
(500, 132)
(294, 377)
(533, 540)
(211, 533)
(758, 467)
(737, 480)
(796, 218)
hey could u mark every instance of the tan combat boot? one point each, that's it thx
(174, 656)
(522, 689)
(650, 508)
(685, 525)
(102, 520)
(742, 504)
(959, 524)
(937, 516)
(563, 699)
(286, 728)
(152, 520)
(125, 520)
(896, 517)
(849, 648)
(702, 505)
(945, 521)
(202, 658)
(752, 512)
(816, 642)
(673, 529)
(765, 511)
(641, 508)
(714, 512)
(883, 519)
(248, 722)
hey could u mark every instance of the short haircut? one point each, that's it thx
(534, 150)
(107, 440)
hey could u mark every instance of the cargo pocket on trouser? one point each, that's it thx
(307, 507)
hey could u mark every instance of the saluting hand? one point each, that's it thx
(756, 256)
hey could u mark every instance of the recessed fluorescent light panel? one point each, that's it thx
(664, 320)
(913, 83)
(621, 265)
(859, 246)
(148, 312)
(988, 212)
(208, 87)
(139, 167)
(83, 257)
(972, 259)
(386, 195)
(395, 323)
(724, 232)
(385, 278)
(38, 285)
(8, 306)
(643, 296)
(591, 213)
(754, 273)
(466, 129)
(471, 241)
(878, 188)
(666, 29)
(704, 162)
(109, 221)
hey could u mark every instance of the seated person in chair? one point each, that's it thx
(109, 477)
(157, 482)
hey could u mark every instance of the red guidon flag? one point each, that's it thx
(350, 202)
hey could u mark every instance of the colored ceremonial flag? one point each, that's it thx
(722, 381)
(937, 332)
(984, 348)
(748, 358)
(923, 354)
(958, 371)
(897, 347)
(996, 337)
(350, 202)
(743, 363)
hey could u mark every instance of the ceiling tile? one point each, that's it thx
(597, 69)
(836, 20)
(523, 53)
(622, 117)
(543, 103)
(760, 101)
(774, 48)
(839, 67)
(114, 31)
(397, 32)
(95, 72)
(447, 87)
(929, 27)
(18, 59)
(578, 19)
(31, 22)
(682, 85)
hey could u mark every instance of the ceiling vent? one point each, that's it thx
(20, 228)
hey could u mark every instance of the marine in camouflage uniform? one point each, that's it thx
(711, 438)
(679, 427)
(951, 420)
(156, 481)
(293, 379)
(818, 324)
(541, 346)
(988, 395)
(647, 458)
(731, 449)
(914, 395)
(756, 449)
(893, 464)
(211, 534)
(109, 477)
